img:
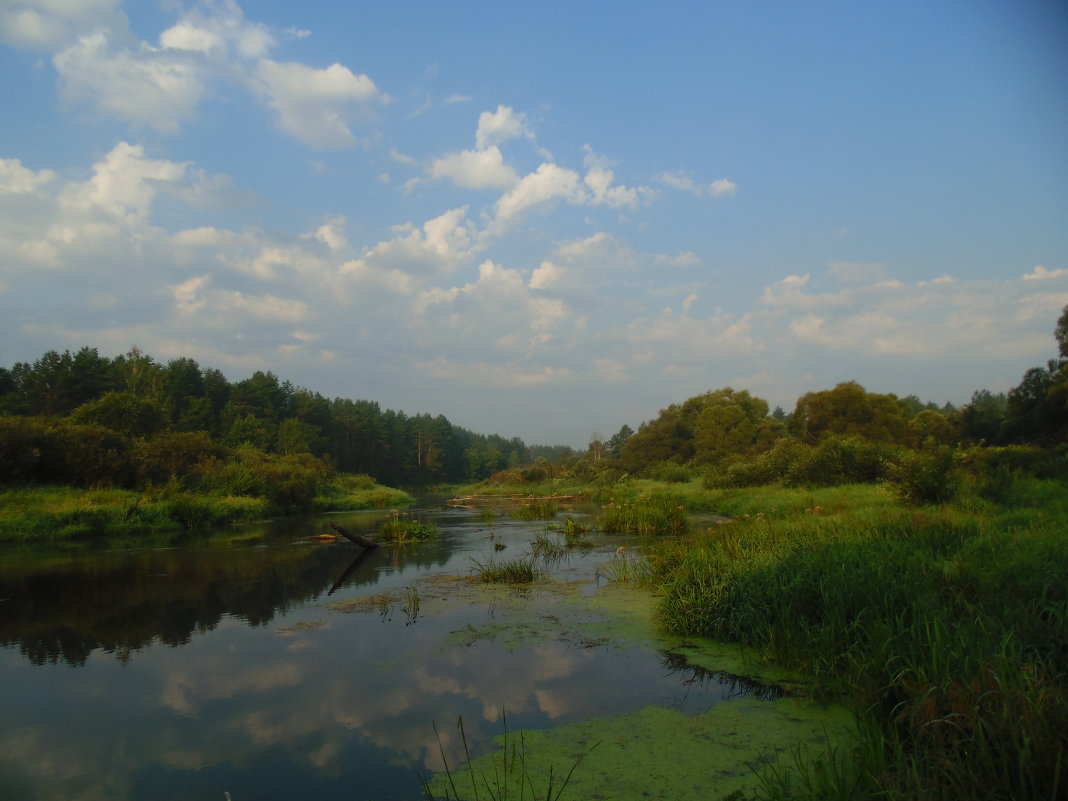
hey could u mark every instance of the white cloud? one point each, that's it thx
(124, 184)
(476, 169)
(219, 29)
(437, 248)
(16, 179)
(496, 127)
(150, 86)
(549, 182)
(678, 179)
(495, 313)
(1040, 273)
(722, 188)
(315, 105)
(48, 24)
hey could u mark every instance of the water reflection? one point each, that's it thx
(64, 609)
(731, 685)
(238, 672)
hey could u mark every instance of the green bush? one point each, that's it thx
(928, 476)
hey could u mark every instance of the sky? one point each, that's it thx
(543, 220)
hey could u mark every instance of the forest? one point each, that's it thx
(83, 420)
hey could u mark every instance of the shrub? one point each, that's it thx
(928, 476)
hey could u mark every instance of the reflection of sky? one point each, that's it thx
(344, 706)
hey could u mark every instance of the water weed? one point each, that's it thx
(520, 570)
(401, 527)
(507, 776)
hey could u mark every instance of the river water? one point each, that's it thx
(262, 663)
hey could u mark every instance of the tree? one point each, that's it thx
(1060, 333)
(619, 439)
(124, 412)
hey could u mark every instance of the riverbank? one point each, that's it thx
(63, 513)
(946, 627)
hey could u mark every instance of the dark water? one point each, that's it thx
(222, 664)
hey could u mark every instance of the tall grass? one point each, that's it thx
(521, 570)
(948, 626)
(538, 509)
(656, 514)
(401, 527)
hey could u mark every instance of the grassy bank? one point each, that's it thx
(59, 513)
(947, 626)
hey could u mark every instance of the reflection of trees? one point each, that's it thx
(121, 602)
(733, 684)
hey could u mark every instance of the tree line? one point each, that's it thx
(72, 417)
(847, 434)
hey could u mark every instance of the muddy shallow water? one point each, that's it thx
(262, 663)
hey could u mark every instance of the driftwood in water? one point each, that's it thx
(366, 543)
(483, 500)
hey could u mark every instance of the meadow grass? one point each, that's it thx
(62, 513)
(946, 625)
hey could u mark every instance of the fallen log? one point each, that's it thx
(366, 543)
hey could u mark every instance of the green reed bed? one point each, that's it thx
(946, 625)
(652, 515)
(402, 527)
(536, 509)
(520, 570)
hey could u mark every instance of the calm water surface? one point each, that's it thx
(235, 663)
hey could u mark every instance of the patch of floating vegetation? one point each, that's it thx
(306, 625)
(661, 753)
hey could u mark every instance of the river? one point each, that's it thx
(262, 663)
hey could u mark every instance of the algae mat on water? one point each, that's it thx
(656, 753)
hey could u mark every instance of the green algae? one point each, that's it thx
(655, 753)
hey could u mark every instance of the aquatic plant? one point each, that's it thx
(535, 509)
(402, 527)
(520, 570)
(653, 515)
(507, 778)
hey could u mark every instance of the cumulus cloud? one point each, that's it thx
(496, 311)
(548, 183)
(476, 169)
(1040, 273)
(151, 86)
(436, 248)
(124, 184)
(315, 105)
(497, 127)
(16, 179)
(45, 25)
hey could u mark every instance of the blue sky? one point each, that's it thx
(545, 220)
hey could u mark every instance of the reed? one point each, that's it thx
(402, 527)
(656, 514)
(538, 509)
(945, 625)
(521, 570)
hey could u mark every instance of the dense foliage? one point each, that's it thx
(84, 419)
